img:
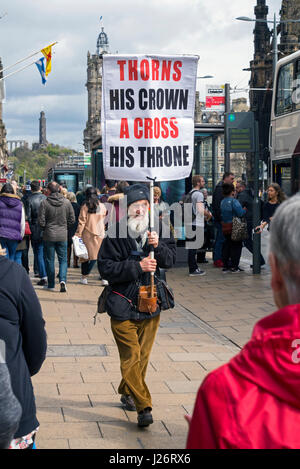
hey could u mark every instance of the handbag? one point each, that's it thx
(226, 228)
(101, 305)
(27, 229)
(239, 229)
(165, 294)
(147, 304)
(80, 248)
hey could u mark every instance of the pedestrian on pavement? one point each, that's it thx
(12, 220)
(117, 212)
(72, 229)
(110, 189)
(10, 409)
(56, 214)
(228, 178)
(275, 197)
(126, 264)
(199, 212)
(244, 196)
(26, 192)
(232, 250)
(91, 228)
(33, 206)
(253, 402)
(201, 255)
(22, 330)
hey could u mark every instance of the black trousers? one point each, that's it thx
(231, 253)
(248, 243)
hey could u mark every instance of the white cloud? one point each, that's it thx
(208, 29)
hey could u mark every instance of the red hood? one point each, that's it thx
(267, 359)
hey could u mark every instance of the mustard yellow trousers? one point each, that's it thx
(135, 340)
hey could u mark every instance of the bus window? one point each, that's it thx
(282, 175)
(296, 94)
(284, 103)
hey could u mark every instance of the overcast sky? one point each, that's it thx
(208, 29)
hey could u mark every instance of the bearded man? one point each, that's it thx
(125, 262)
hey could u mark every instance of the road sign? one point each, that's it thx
(87, 159)
(240, 133)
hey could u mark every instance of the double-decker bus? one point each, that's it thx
(285, 125)
(72, 177)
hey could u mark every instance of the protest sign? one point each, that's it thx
(148, 107)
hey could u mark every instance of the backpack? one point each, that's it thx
(187, 199)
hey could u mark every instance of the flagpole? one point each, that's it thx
(25, 58)
(16, 71)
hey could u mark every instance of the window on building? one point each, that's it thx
(284, 102)
(296, 94)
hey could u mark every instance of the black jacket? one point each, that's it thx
(119, 264)
(216, 201)
(56, 214)
(22, 330)
(10, 409)
(246, 200)
(73, 228)
(32, 212)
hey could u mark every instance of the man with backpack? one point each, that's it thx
(196, 198)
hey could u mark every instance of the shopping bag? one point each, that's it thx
(80, 248)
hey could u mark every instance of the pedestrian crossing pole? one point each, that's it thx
(151, 229)
(256, 207)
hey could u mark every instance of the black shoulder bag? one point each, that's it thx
(166, 299)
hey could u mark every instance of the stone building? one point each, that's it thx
(261, 79)
(262, 64)
(3, 142)
(94, 88)
(290, 32)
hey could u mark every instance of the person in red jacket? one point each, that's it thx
(253, 402)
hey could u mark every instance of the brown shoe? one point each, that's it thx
(145, 418)
(128, 402)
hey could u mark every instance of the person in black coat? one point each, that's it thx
(33, 203)
(244, 196)
(125, 263)
(10, 409)
(72, 229)
(22, 330)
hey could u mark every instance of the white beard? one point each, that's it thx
(138, 226)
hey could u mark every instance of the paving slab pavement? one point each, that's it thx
(76, 389)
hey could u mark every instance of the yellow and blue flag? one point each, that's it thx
(47, 51)
(41, 68)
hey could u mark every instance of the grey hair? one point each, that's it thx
(285, 246)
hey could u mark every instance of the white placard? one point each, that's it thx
(148, 108)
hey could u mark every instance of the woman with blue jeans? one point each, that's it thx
(12, 220)
(232, 250)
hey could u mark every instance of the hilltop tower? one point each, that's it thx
(42, 134)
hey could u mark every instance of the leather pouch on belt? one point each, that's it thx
(146, 304)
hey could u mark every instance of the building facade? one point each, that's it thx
(3, 142)
(290, 32)
(94, 89)
(262, 68)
